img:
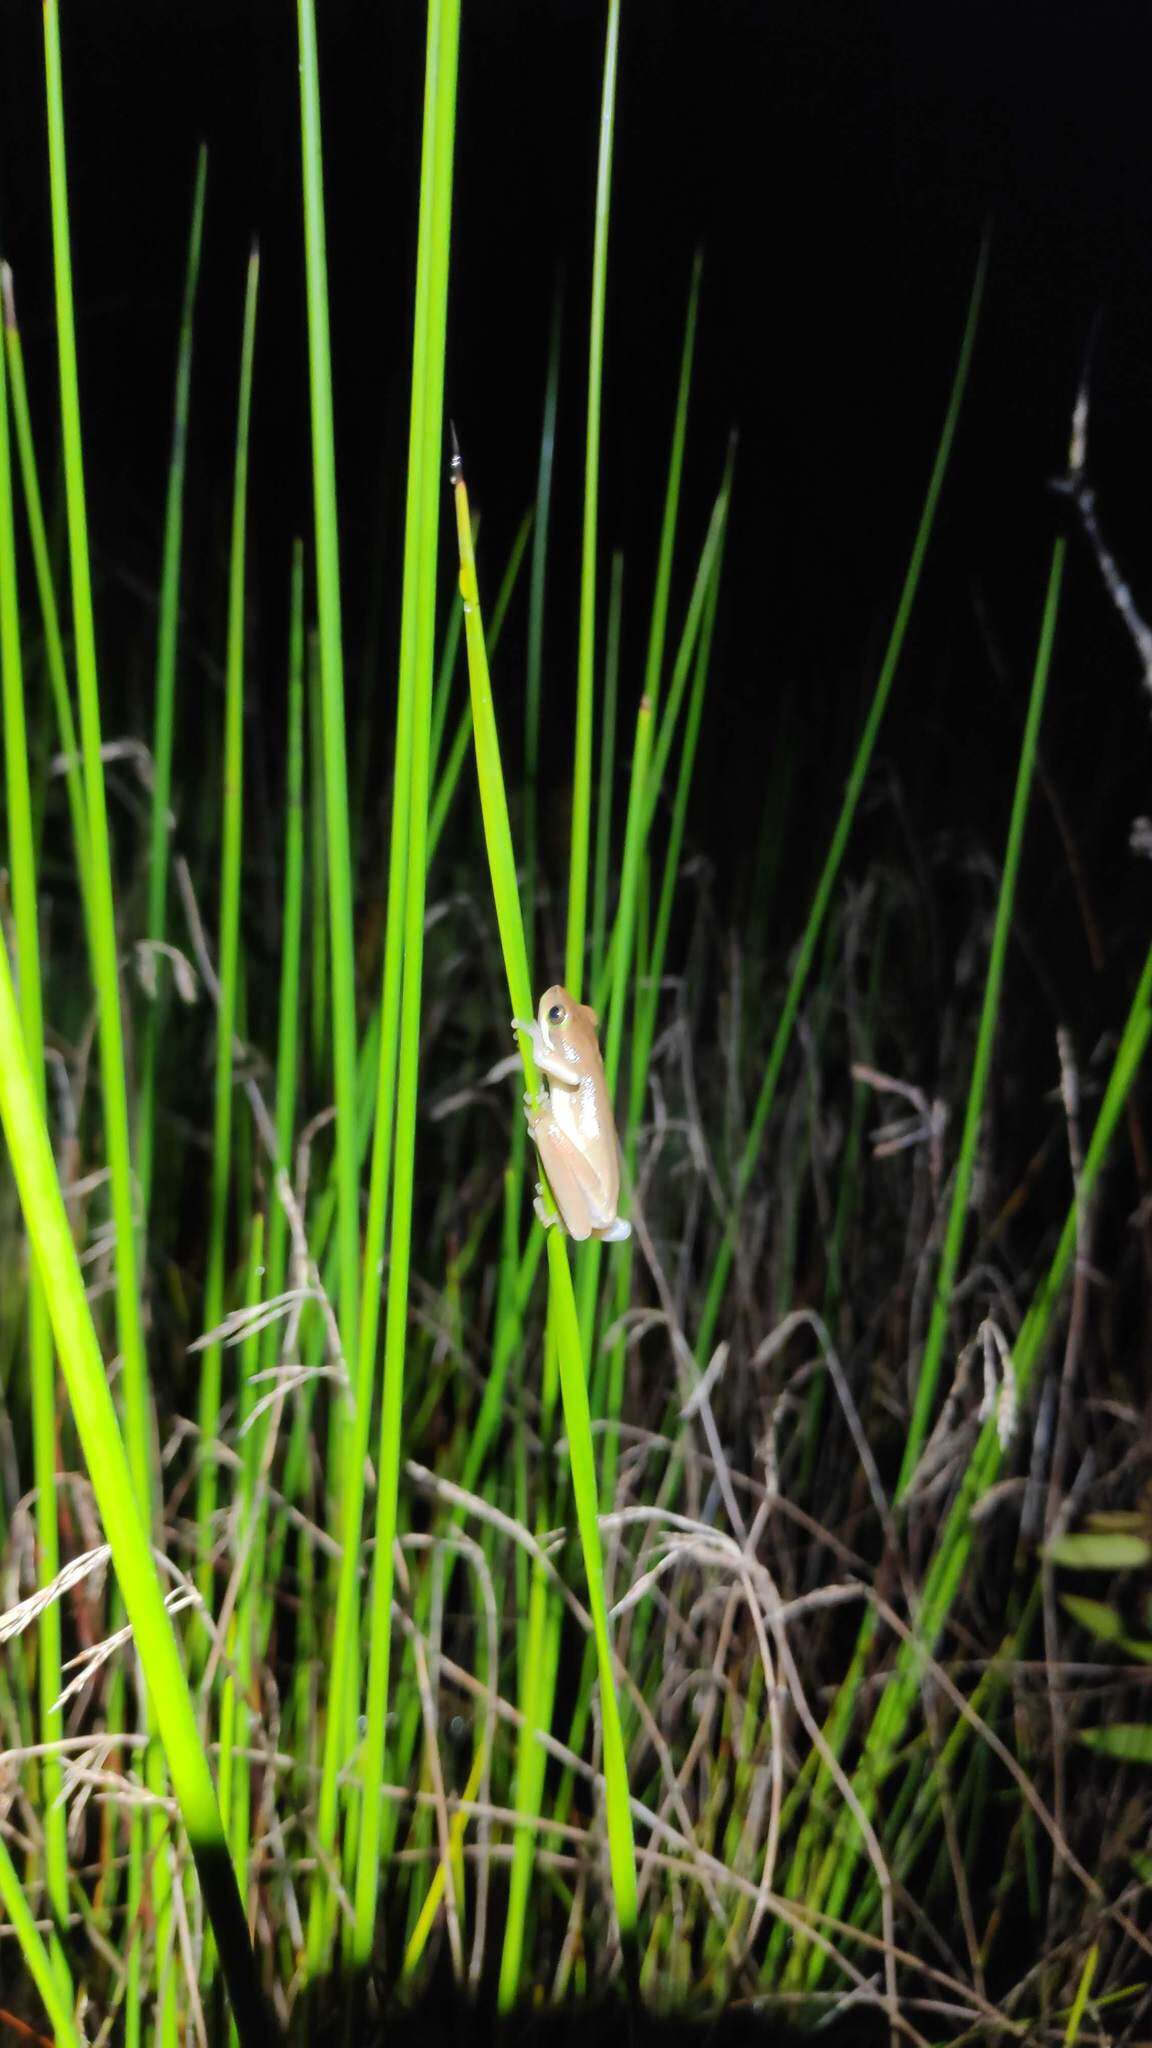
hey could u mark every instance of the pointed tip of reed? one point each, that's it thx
(456, 466)
(8, 296)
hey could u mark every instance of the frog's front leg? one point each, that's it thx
(549, 1063)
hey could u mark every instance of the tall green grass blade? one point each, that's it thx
(537, 1690)
(635, 841)
(41, 1360)
(536, 595)
(46, 591)
(664, 726)
(237, 1810)
(268, 1551)
(442, 690)
(805, 953)
(586, 659)
(332, 701)
(40, 1965)
(344, 1468)
(613, 971)
(562, 1303)
(291, 937)
(649, 998)
(538, 1664)
(228, 953)
(318, 979)
(658, 627)
(506, 1344)
(102, 933)
(347, 1623)
(166, 646)
(622, 941)
(445, 786)
(125, 1527)
(490, 775)
(603, 853)
(953, 1549)
(929, 1374)
(419, 618)
(134, 1377)
(1080, 2001)
(578, 1424)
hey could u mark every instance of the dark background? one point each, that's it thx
(837, 163)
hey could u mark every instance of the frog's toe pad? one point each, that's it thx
(543, 1215)
(616, 1232)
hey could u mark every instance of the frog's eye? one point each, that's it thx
(557, 1014)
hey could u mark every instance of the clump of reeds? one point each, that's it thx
(675, 1615)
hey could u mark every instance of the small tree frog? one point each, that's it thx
(571, 1122)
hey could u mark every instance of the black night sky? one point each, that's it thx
(837, 164)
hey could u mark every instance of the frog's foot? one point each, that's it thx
(543, 1215)
(535, 1104)
(531, 1031)
(616, 1231)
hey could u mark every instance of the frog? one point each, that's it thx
(571, 1121)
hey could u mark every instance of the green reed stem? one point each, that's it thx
(332, 702)
(562, 1303)
(291, 939)
(446, 784)
(232, 827)
(117, 1500)
(664, 728)
(237, 1811)
(419, 618)
(134, 1376)
(658, 626)
(317, 840)
(41, 1966)
(164, 724)
(41, 1358)
(603, 845)
(649, 995)
(536, 596)
(586, 657)
(46, 592)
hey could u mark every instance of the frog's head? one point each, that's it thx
(565, 1025)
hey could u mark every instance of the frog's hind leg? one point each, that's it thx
(569, 1177)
